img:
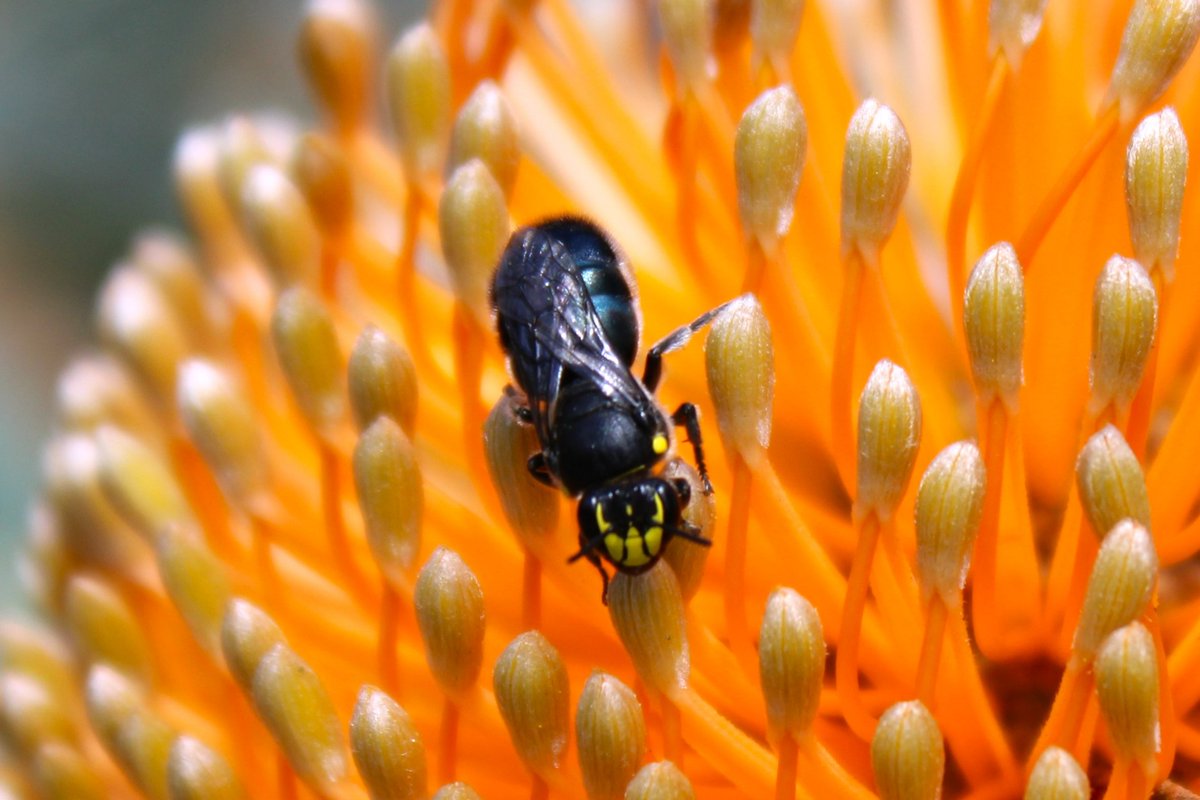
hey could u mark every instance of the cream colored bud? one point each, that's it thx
(647, 611)
(530, 681)
(225, 429)
(196, 169)
(387, 748)
(138, 740)
(1111, 483)
(907, 754)
(418, 93)
(1119, 588)
(1127, 687)
(247, 634)
(486, 129)
(473, 220)
(280, 225)
(889, 435)
(104, 628)
(1155, 174)
(687, 31)
(740, 362)
(791, 663)
(774, 27)
(687, 559)
(169, 263)
(949, 510)
(456, 791)
(197, 772)
(139, 484)
(33, 651)
(136, 322)
(611, 736)
(768, 157)
(391, 496)
(335, 50)
(994, 323)
(530, 507)
(1057, 776)
(1012, 27)
(661, 780)
(95, 389)
(1159, 37)
(195, 580)
(30, 716)
(322, 174)
(245, 143)
(308, 351)
(874, 178)
(450, 613)
(1124, 318)
(383, 381)
(293, 704)
(62, 773)
(44, 562)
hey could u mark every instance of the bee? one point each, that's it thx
(567, 317)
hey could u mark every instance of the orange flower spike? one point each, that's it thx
(1127, 682)
(1155, 174)
(387, 748)
(610, 734)
(908, 755)
(874, 179)
(889, 434)
(1057, 776)
(1159, 36)
(994, 324)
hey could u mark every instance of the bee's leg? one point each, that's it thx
(520, 405)
(688, 418)
(674, 340)
(538, 469)
(587, 549)
(687, 530)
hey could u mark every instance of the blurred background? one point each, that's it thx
(92, 97)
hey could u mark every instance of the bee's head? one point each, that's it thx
(630, 522)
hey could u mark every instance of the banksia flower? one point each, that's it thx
(302, 531)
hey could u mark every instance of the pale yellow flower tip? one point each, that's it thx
(308, 351)
(335, 51)
(474, 224)
(1057, 776)
(874, 178)
(241, 146)
(949, 510)
(1127, 687)
(383, 380)
(611, 736)
(889, 435)
(391, 496)
(994, 323)
(136, 323)
(225, 429)
(530, 508)
(1012, 27)
(33, 651)
(419, 96)
(907, 754)
(296, 709)
(1111, 483)
(137, 739)
(450, 613)
(647, 611)
(195, 166)
(197, 772)
(104, 628)
(530, 681)
(247, 634)
(387, 748)
(774, 26)
(96, 389)
(30, 716)
(63, 773)
(1159, 37)
(456, 791)
(486, 129)
(768, 157)
(1119, 587)
(740, 363)
(322, 174)
(687, 31)
(791, 663)
(167, 260)
(1124, 318)
(280, 225)
(195, 580)
(1155, 173)
(44, 562)
(687, 559)
(138, 482)
(661, 780)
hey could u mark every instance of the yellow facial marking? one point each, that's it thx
(658, 510)
(601, 523)
(628, 510)
(653, 540)
(615, 547)
(635, 551)
(659, 444)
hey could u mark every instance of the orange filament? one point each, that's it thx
(285, 777)
(469, 342)
(717, 741)
(389, 639)
(335, 526)
(983, 596)
(1070, 708)
(448, 742)
(824, 776)
(538, 790)
(785, 776)
(981, 719)
(843, 367)
(735, 566)
(672, 733)
(931, 649)
(531, 592)
(846, 667)
(330, 259)
(1087, 547)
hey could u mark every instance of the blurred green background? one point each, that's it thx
(92, 97)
